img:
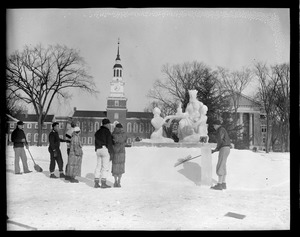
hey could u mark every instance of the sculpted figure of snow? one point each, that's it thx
(157, 122)
(193, 124)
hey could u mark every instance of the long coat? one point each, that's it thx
(75, 156)
(118, 160)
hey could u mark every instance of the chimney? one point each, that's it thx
(75, 109)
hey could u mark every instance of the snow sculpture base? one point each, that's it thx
(203, 176)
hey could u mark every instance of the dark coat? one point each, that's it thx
(103, 137)
(17, 136)
(118, 160)
(54, 140)
(222, 138)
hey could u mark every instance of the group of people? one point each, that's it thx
(109, 147)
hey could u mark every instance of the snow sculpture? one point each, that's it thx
(157, 122)
(192, 126)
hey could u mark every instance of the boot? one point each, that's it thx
(116, 184)
(224, 185)
(73, 180)
(217, 187)
(52, 176)
(62, 175)
(96, 183)
(103, 184)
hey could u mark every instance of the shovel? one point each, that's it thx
(182, 160)
(36, 166)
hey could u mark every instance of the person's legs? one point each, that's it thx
(60, 164)
(97, 169)
(119, 180)
(24, 161)
(116, 180)
(105, 158)
(17, 160)
(52, 164)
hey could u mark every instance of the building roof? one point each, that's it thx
(246, 101)
(33, 118)
(118, 65)
(89, 114)
(146, 115)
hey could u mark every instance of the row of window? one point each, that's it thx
(117, 73)
(30, 125)
(135, 127)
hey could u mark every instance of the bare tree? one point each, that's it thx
(268, 83)
(178, 79)
(282, 103)
(37, 75)
(233, 84)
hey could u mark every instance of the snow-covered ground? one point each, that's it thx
(154, 195)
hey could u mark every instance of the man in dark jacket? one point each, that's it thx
(19, 139)
(55, 153)
(223, 146)
(103, 148)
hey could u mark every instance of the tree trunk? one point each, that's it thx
(39, 143)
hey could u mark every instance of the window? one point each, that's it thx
(135, 127)
(44, 137)
(35, 137)
(264, 140)
(116, 116)
(29, 125)
(36, 125)
(129, 127)
(96, 126)
(44, 126)
(116, 103)
(114, 73)
(11, 125)
(141, 128)
(91, 126)
(117, 72)
(28, 137)
(120, 73)
(83, 126)
(90, 140)
(83, 140)
(263, 128)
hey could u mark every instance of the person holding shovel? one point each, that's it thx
(19, 139)
(223, 146)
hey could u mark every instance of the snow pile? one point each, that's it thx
(154, 195)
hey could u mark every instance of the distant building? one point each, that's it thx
(136, 124)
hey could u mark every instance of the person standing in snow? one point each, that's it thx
(223, 146)
(55, 153)
(68, 141)
(104, 149)
(19, 139)
(118, 157)
(75, 157)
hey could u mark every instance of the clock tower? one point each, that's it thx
(117, 102)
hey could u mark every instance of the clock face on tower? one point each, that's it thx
(117, 88)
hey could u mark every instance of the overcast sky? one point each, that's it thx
(150, 38)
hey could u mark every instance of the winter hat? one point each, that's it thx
(54, 124)
(216, 122)
(119, 125)
(20, 123)
(105, 121)
(77, 129)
